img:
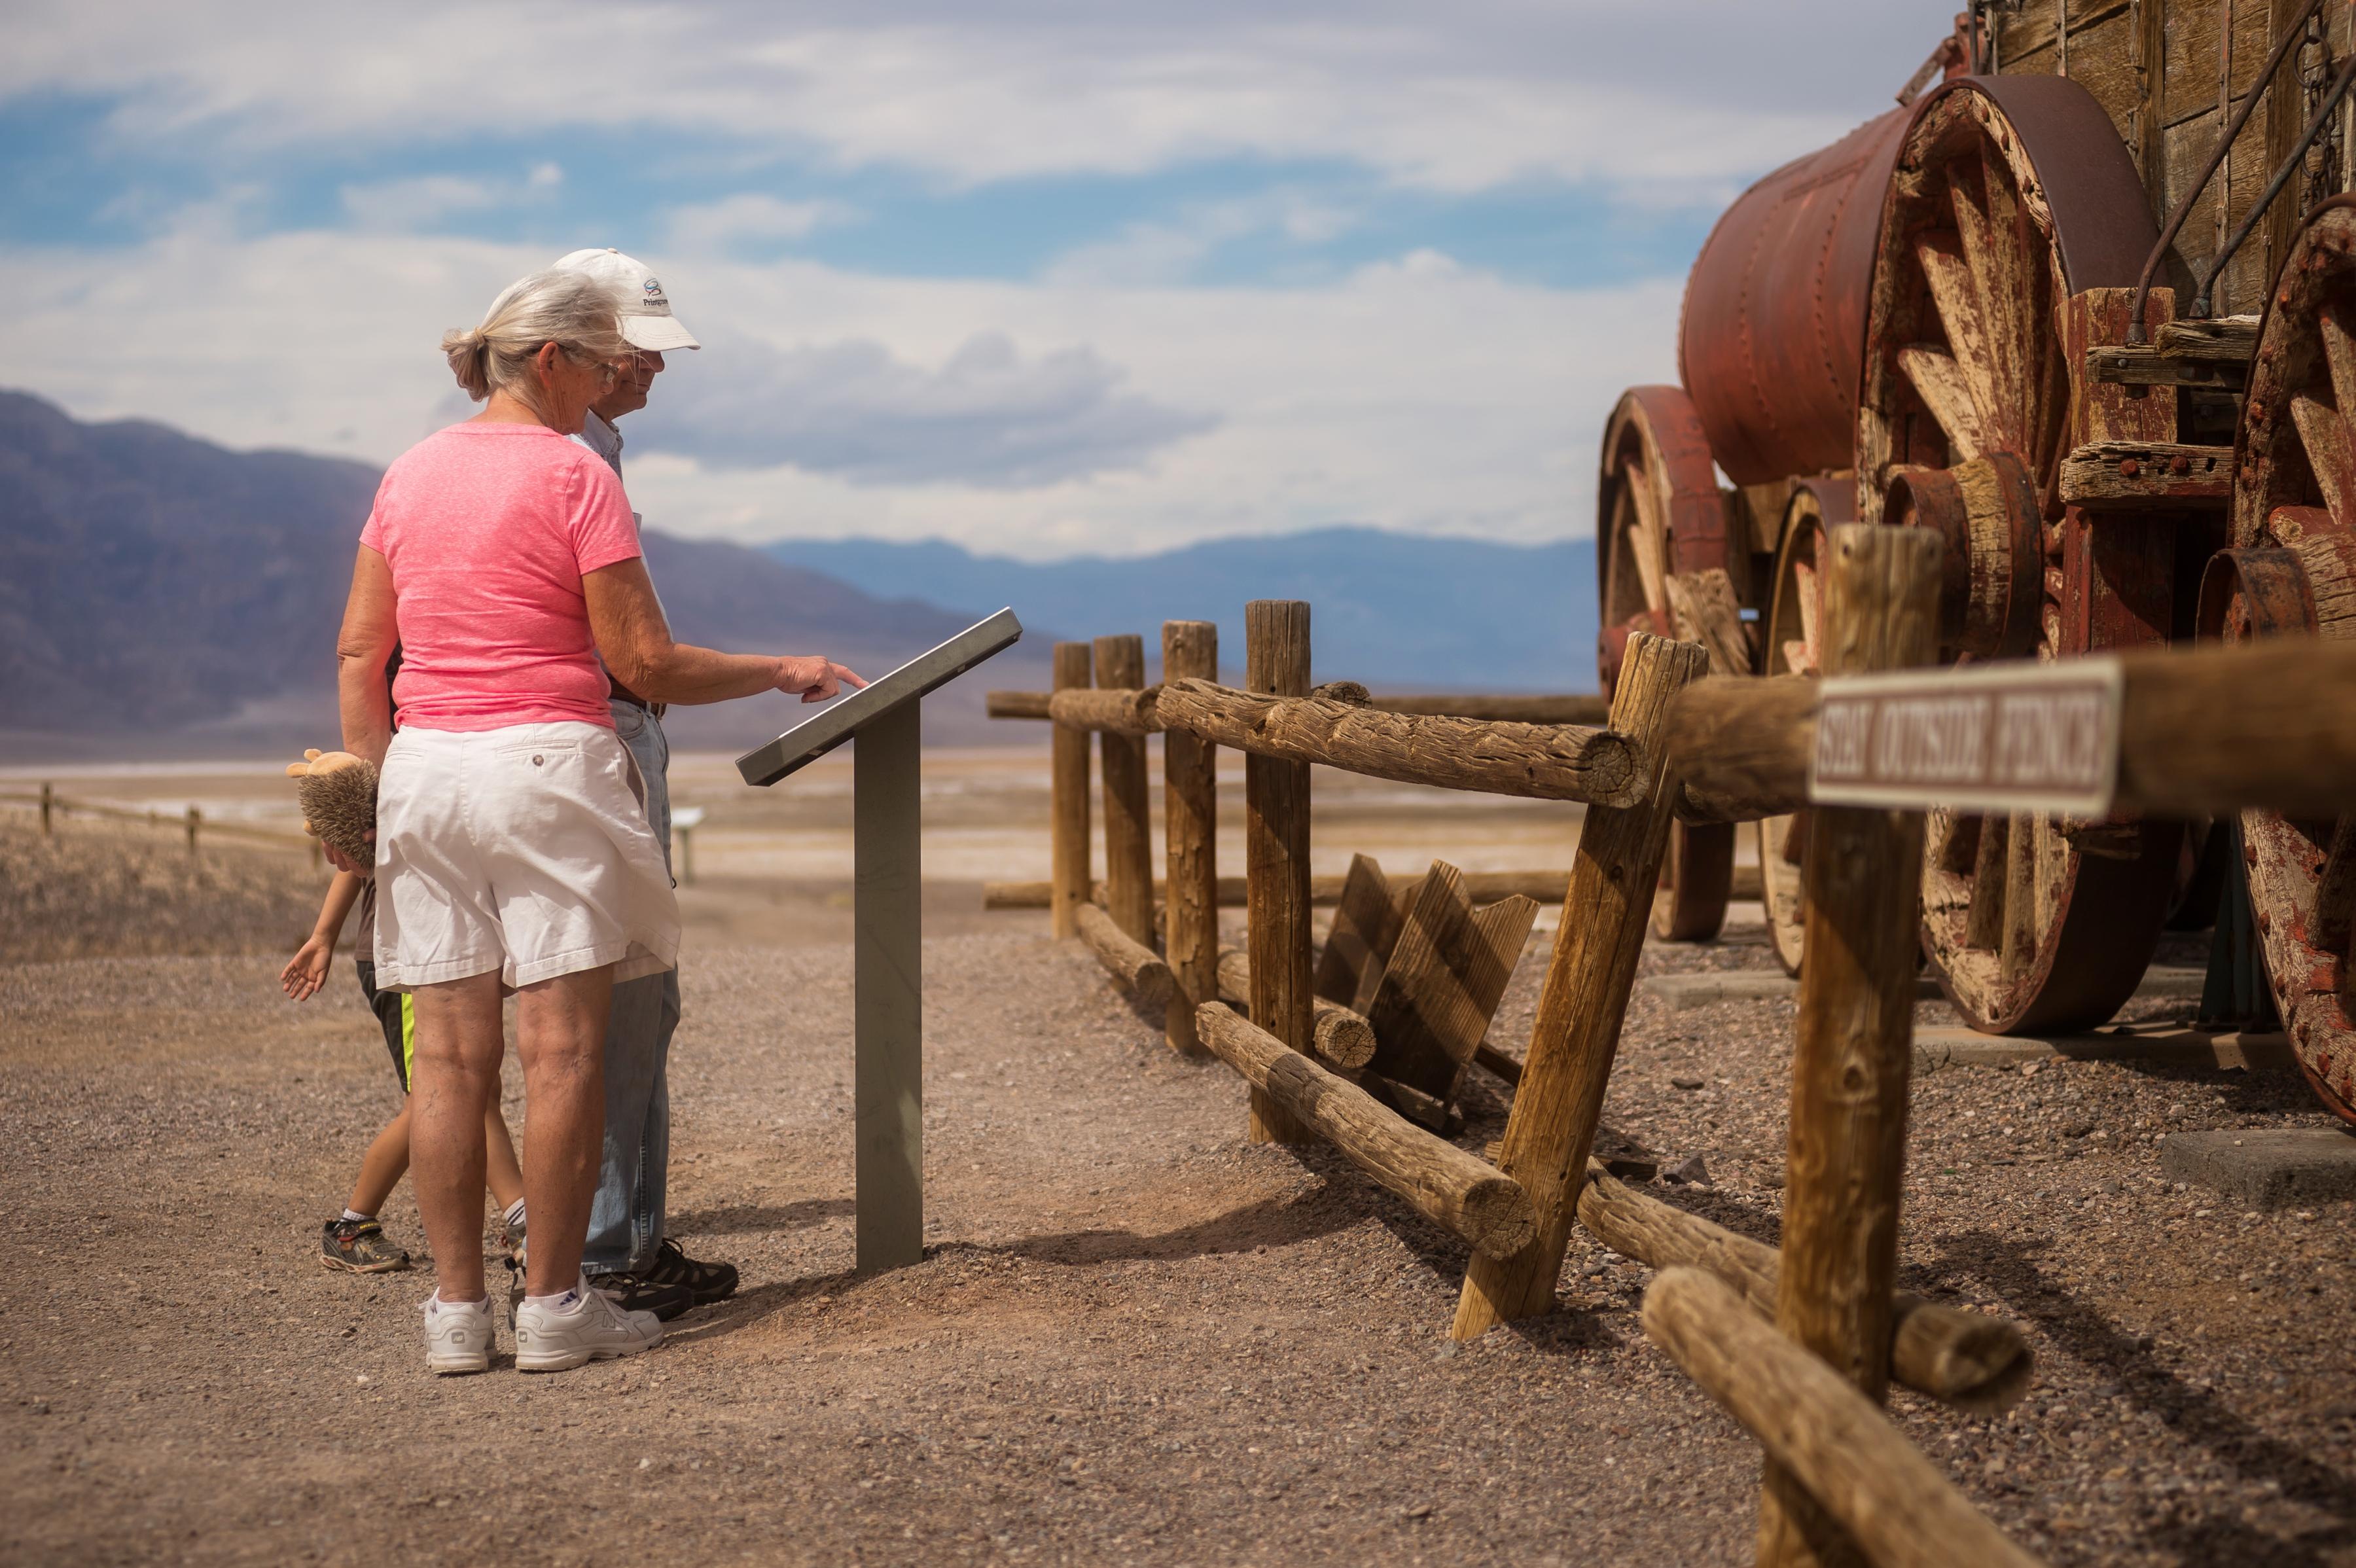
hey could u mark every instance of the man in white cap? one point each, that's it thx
(628, 1253)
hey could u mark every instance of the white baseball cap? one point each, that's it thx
(645, 310)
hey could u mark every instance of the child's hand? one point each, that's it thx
(308, 970)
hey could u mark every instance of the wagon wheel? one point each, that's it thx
(1664, 566)
(2033, 922)
(1790, 648)
(2290, 571)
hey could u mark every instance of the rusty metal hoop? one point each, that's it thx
(2292, 572)
(1664, 565)
(2010, 194)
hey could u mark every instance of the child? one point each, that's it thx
(357, 1241)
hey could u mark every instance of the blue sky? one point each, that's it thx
(1040, 278)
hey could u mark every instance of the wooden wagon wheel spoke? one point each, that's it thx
(1940, 382)
(2289, 574)
(1965, 403)
(1791, 647)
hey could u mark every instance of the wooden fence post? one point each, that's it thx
(1190, 810)
(48, 798)
(193, 817)
(1560, 1097)
(1849, 1069)
(1128, 829)
(1069, 805)
(1276, 857)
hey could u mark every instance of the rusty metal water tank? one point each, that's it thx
(1773, 325)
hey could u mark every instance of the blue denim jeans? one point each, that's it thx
(626, 1220)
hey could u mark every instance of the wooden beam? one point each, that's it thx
(1339, 1035)
(1069, 771)
(1276, 856)
(1542, 762)
(1741, 746)
(1126, 710)
(1190, 810)
(1853, 1051)
(1448, 1186)
(2124, 475)
(1980, 1364)
(1578, 708)
(1850, 1458)
(1441, 982)
(1560, 1097)
(1128, 824)
(1017, 705)
(1131, 962)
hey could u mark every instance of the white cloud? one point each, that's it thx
(1670, 96)
(1171, 252)
(420, 202)
(989, 416)
(717, 226)
(1417, 395)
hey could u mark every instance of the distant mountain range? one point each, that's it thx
(157, 590)
(1398, 611)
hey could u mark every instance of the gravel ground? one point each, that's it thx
(1134, 1338)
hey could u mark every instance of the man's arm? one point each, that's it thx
(635, 640)
(362, 648)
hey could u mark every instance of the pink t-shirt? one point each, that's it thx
(488, 530)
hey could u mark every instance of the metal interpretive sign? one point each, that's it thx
(2011, 736)
(887, 873)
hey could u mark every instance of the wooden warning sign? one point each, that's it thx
(2016, 736)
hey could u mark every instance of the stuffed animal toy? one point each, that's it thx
(338, 793)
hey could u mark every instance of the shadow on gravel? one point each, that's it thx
(2199, 1415)
(741, 1217)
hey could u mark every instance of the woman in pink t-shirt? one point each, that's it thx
(513, 852)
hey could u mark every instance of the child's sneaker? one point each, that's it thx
(457, 1335)
(583, 1324)
(359, 1246)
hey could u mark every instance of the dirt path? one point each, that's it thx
(1134, 1338)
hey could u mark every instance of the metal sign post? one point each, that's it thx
(886, 788)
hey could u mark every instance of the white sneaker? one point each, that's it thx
(457, 1335)
(588, 1326)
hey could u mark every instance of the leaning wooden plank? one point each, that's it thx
(1121, 710)
(1544, 762)
(1131, 962)
(1427, 1019)
(1340, 1036)
(1577, 1031)
(1856, 1465)
(1980, 1364)
(1362, 929)
(1471, 1197)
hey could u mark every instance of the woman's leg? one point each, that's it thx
(505, 1176)
(382, 1166)
(459, 1041)
(560, 1037)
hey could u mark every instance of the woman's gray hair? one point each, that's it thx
(570, 309)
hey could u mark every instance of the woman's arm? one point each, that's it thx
(362, 648)
(634, 638)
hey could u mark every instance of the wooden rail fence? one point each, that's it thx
(191, 820)
(1800, 1342)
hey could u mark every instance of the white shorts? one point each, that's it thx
(524, 850)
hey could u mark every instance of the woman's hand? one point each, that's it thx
(308, 970)
(817, 680)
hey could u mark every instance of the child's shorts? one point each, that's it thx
(397, 1015)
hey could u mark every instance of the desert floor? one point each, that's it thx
(1134, 1337)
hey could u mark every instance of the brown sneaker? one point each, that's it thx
(708, 1282)
(357, 1246)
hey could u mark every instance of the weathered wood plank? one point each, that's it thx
(1276, 852)
(1544, 762)
(1364, 929)
(1190, 810)
(1131, 961)
(1121, 711)
(1452, 1189)
(2122, 474)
